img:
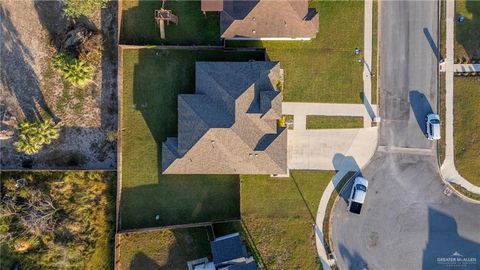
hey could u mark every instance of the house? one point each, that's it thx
(228, 253)
(264, 19)
(230, 125)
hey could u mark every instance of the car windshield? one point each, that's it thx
(435, 121)
(362, 188)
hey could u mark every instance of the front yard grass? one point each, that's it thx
(162, 249)
(323, 122)
(466, 126)
(152, 79)
(194, 28)
(324, 69)
(278, 214)
(467, 36)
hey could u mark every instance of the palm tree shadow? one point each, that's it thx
(17, 74)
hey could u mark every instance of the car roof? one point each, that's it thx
(361, 180)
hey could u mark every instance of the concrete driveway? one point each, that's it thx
(323, 149)
(410, 219)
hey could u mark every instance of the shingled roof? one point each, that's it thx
(229, 126)
(264, 19)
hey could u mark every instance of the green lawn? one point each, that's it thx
(466, 127)
(151, 81)
(320, 122)
(194, 28)
(278, 214)
(164, 249)
(324, 69)
(467, 35)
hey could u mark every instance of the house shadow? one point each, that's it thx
(353, 260)
(142, 261)
(17, 74)
(421, 107)
(466, 33)
(446, 249)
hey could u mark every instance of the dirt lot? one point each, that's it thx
(31, 89)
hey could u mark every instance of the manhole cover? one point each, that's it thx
(372, 239)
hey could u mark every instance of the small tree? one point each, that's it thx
(73, 70)
(77, 8)
(33, 135)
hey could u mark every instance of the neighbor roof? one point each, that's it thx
(212, 5)
(268, 19)
(227, 248)
(229, 126)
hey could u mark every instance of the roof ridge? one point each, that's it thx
(253, 148)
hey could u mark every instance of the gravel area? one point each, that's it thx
(30, 89)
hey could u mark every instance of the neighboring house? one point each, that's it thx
(228, 253)
(265, 19)
(229, 126)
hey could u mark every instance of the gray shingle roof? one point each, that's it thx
(229, 126)
(227, 248)
(268, 19)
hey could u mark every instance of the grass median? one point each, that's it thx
(333, 122)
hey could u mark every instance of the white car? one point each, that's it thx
(433, 126)
(357, 195)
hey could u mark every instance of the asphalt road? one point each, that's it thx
(407, 222)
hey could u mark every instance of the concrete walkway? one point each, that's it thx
(448, 170)
(466, 68)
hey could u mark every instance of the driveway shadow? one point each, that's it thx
(421, 107)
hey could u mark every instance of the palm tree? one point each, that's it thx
(34, 135)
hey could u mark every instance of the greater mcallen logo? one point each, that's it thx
(456, 259)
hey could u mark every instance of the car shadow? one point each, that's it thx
(420, 107)
(347, 168)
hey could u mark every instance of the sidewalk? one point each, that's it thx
(448, 170)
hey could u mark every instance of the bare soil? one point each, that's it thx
(30, 89)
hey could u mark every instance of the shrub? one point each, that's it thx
(77, 8)
(34, 135)
(73, 70)
(281, 121)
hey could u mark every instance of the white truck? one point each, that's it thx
(357, 195)
(433, 126)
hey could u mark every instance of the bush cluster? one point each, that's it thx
(73, 70)
(34, 135)
(79, 208)
(77, 8)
